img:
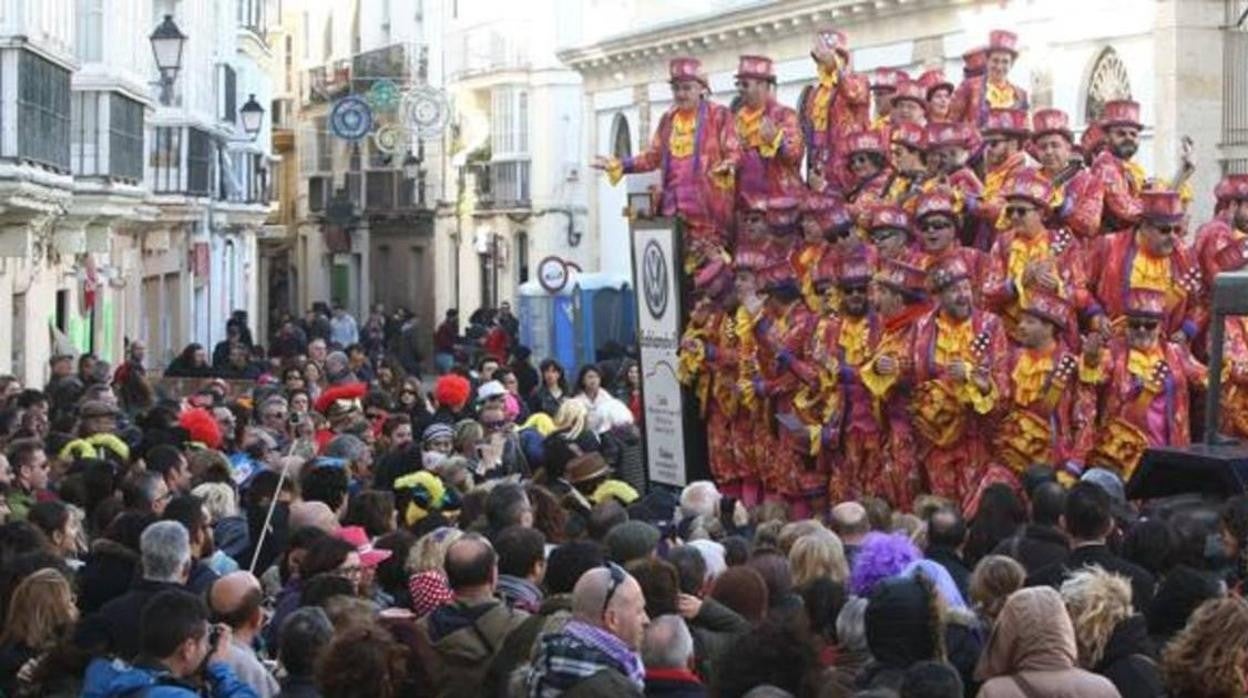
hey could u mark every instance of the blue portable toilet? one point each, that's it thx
(572, 325)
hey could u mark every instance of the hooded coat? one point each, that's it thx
(1032, 652)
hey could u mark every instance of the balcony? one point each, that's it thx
(488, 48)
(503, 185)
(181, 161)
(107, 136)
(326, 83)
(400, 63)
(244, 178)
(43, 114)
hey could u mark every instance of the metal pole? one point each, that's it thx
(1214, 392)
(459, 230)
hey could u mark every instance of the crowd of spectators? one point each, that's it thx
(343, 531)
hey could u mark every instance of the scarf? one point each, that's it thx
(429, 591)
(577, 653)
(680, 143)
(519, 593)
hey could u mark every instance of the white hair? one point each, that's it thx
(219, 499)
(700, 498)
(667, 644)
(166, 551)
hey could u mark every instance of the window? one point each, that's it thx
(1109, 81)
(125, 138)
(510, 185)
(43, 115)
(380, 190)
(84, 147)
(324, 155)
(318, 193)
(89, 32)
(251, 15)
(199, 163)
(509, 122)
(621, 141)
(229, 89)
(166, 159)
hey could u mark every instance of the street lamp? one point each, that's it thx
(167, 42)
(253, 116)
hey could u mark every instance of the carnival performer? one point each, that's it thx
(909, 104)
(885, 425)
(771, 140)
(1148, 256)
(959, 359)
(1234, 415)
(907, 148)
(820, 215)
(837, 104)
(883, 83)
(1005, 133)
(1122, 177)
(939, 94)
(978, 95)
(1078, 196)
(1029, 257)
(871, 178)
(1220, 245)
(1047, 413)
(948, 146)
(889, 229)
(1143, 382)
(708, 365)
(936, 217)
(696, 148)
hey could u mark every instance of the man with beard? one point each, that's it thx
(883, 82)
(907, 147)
(696, 148)
(1005, 133)
(936, 216)
(1122, 177)
(879, 436)
(1080, 196)
(1029, 257)
(979, 94)
(1143, 381)
(1150, 257)
(1046, 413)
(959, 357)
(831, 108)
(1220, 244)
(771, 141)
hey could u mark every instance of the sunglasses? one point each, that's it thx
(854, 291)
(1142, 324)
(1167, 229)
(1017, 211)
(884, 234)
(617, 578)
(936, 225)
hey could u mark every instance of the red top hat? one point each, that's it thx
(1121, 112)
(1145, 302)
(778, 274)
(1161, 207)
(902, 274)
(975, 61)
(948, 271)
(933, 80)
(1028, 184)
(757, 68)
(937, 201)
(944, 134)
(854, 271)
(752, 203)
(1233, 187)
(828, 211)
(686, 68)
(832, 39)
(911, 135)
(782, 211)
(889, 216)
(1010, 122)
(1048, 306)
(750, 256)
(869, 141)
(1046, 121)
(1002, 40)
(911, 90)
(885, 79)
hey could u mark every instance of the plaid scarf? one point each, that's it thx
(577, 653)
(519, 593)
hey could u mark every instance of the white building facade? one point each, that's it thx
(1183, 61)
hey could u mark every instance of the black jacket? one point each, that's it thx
(543, 401)
(107, 573)
(1142, 583)
(299, 687)
(114, 629)
(952, 561)
(1035, 547)
(1128, 661)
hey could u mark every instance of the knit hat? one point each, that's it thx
(632, 540)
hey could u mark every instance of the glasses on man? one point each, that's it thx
(617, 578)
(884, 234)
(1017, 211)
(854, 291)
(1147, 325)
(933, 226)
(1166, 229)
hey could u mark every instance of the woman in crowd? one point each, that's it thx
(191, 363)
(992, 582)
(40, 615)
(1112, 641)
(1206, 659)
(62, 524)
(605, 412)
(553, 391)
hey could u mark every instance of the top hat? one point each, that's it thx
(1161, 207)
(1046, 121)
(757, 68)
(940, 200)
(1030, 185)
(1010, 122)
(1002, 40)
(686, 68)
(948, 271)
(1120, 112)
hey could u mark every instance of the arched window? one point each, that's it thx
(621, 141)
(1108, 81)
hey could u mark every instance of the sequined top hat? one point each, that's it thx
(1161, 207)
(1048, 306)
(933, 80)
(940, 200)
(1120, 112)
(910, 135)
(685, 69)
(1030, 185)
(1002, 40)
(1008, 122)
(1146, 302)
(757, 68)
(1046, 121)
(947, 272)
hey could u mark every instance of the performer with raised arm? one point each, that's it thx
(837, 104)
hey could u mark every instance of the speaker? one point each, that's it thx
(1217, 469)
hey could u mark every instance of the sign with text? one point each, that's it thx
(656, 275)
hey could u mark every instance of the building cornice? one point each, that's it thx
(751, 24)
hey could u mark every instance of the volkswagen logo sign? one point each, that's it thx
(654, 279)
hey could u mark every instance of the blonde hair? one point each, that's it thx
(219, 499)
(571, 417)
(429, 553)
(1097, 601)
(1203, 660)
(793, 530)
(992, 582)
(818, 555)
(41, 610)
